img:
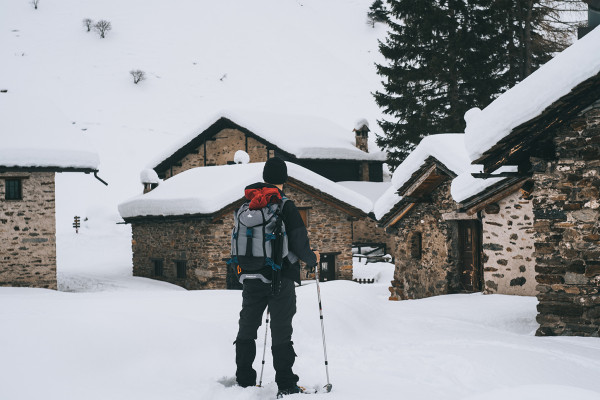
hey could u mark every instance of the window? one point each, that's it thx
(158, 267)
(416, 245)
(181, 269)
(13, 189)
(304, 214)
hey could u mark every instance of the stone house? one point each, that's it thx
(549, 126)
(314, 143)
(435, 250)
(505, 208)
(182, 228)
(33, 150)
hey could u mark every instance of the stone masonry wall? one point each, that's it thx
(200, 243)
(28, 233)
(329, 230)
(566, 207)
(204, 244)
(508, 236)
(435, 273)
(367, 230)
(221, 150)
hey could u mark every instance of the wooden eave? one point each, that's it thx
(492, 194)
(515, 146)
(422, 183)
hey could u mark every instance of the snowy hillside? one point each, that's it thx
(291, 56)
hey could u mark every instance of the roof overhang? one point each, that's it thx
(514, 147)
(492, 194)
(416, 190)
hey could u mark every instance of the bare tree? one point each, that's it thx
(34, 3)
(138, 75)
(102, 27)
(87, 22)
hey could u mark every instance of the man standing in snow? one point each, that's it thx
(257, 295)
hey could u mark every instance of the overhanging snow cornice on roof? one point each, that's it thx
(515, 146)
(47, 169)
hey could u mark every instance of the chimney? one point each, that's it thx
(361, 133)
(149, 179)
(593, 18)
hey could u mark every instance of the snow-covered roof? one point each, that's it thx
(465, 186)
(447, 148)
(530, 97)
(206, 190)
(371, 190)
(302, 136)
(34, 133)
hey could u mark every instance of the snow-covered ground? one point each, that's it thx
(109, 335)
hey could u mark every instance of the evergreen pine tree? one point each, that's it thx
(445, 57)
(377, 13)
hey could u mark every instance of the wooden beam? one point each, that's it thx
(496, 197)
(400, 215)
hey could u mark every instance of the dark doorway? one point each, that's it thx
(327, 268)
(469, 248)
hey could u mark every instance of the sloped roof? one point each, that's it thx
(35, 134)
(305, 137)
(447, 148)
(539, 94)
(208, 190)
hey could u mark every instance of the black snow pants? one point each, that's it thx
(257, 295)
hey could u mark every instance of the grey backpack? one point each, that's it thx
(256, 235)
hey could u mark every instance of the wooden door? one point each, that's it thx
(327, 268)
(469, 246)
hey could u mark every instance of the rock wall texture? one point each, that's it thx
(28, 232)
(566, 207)
(508, 237)
(432, 270)
(203, 244)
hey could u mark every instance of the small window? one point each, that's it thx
(416, 246)
(304, 215)
(14, 189)
(181, 267)
(158, 267)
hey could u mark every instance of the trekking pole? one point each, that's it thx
(328, 386)
(262, 368)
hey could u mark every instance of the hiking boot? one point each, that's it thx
(291, 390)
(245, 351)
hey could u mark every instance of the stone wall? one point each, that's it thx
(329, 230)
(222, 150)
(200, 243)
(28, 232)
(435, 271)
(566, 207)
(508, 236)
(204, 244)
(366, 230)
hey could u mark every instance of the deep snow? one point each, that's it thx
(113, 336)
